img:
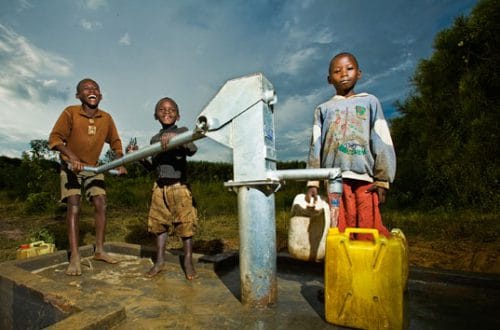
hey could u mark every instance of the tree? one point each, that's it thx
(447, 136)
(40, 150)
(39, 169)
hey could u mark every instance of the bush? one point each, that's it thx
(133, 193)
(39, 203)
(42, 235)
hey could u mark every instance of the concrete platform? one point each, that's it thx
(35, 293)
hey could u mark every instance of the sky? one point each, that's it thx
(140, 51)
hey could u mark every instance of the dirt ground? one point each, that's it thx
(463, 256)
(458, 256)
(450, 255)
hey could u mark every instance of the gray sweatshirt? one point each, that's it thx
(352, 134)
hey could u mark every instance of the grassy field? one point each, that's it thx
(465, 241)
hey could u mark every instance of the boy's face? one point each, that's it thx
(89, 93)
(343, 75)
(167, 113)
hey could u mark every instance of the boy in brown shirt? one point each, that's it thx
(79, 135)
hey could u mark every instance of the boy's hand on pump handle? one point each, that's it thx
(76, 164)
(165, 139)
(121, 170)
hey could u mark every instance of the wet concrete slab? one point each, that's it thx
(35, 293)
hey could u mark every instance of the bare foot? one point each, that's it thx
(102, 256)
(74, 267)
(157, 268)
(189, 270)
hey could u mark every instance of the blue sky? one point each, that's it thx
(140, 51)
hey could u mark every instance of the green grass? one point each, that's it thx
(464, 225)
(128, 204)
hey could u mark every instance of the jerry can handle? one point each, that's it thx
(352, 230)
(37, 243)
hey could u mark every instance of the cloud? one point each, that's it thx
(24, 5)
(14, 139)
(28, 73)
(305, 33)
(28, 83)
(293, 120)
(299, 106)
(125, 40)
(90, 26)
(95, 4)
(389, 77)
(324, 36)
(292, 64)
(213, 151)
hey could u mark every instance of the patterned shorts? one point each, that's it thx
(72, 184)
(172, 211)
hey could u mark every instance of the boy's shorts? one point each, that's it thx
(72, 184)
(172, 211)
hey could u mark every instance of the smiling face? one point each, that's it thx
(167, 112)
(89, 93)
(344, 74)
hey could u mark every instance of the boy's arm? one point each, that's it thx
(190, 148)
(383, 152)
(384, 155)
(146, 162)
(115, 144)
(57, 141)
(114, 140)
(60, 132)
(72, 159)
(314, 159)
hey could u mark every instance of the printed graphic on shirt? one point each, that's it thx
(352, 148)
(360, 112)
(91, 129)
(347, 129)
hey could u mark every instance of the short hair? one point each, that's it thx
(163, 99)
(84, 80)
(341, 55)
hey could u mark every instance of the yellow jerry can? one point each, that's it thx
(34, 249)
(365, 280)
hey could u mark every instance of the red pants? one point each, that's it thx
(359, 208)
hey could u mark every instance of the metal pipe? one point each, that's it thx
(305, 174)
(257, 230)
(150, 150)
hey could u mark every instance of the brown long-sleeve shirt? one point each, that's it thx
(84, 135)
